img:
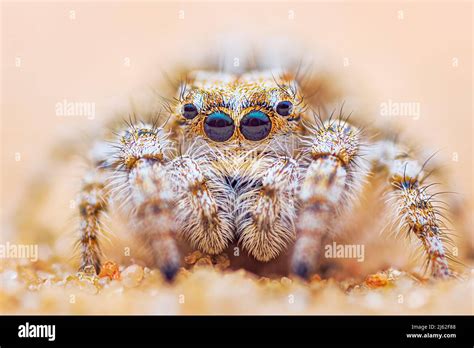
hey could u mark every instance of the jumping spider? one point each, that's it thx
(243, 159)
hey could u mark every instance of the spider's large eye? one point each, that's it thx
(219, 126)
(255, 126)
(284, 108)
(189, 111)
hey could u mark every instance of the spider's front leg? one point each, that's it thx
(334, 173)
(92, 202)
(142, 182)
(137, 180)
(414, 206)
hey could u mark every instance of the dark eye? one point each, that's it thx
(144, 132)
(255, 126)
(219, 126)
(284, 108)
(190, 111)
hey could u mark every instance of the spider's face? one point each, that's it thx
(246, 109)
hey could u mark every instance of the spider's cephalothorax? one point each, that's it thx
(243, 160)
(243, 110)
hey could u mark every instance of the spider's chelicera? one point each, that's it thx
(243, 161)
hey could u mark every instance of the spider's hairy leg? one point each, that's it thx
(205, 205)
(153, 213)
(414, 206)
(141, 182)
(92, 202)
(333, 176)
(265, 220)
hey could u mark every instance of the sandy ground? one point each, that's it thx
(209, 289)
(102, 53)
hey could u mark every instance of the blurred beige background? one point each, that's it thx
(100, 52)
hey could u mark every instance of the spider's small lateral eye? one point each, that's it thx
(219, 126)
(127, 135)
(190, 111)
(145, 132)
(284, 108)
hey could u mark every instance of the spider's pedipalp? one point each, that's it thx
(414, 208)
(205, 204)
(266, 210)
(333, 176)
